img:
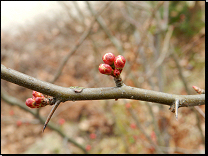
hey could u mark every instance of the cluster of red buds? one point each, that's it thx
(113, 65)
(37, 101)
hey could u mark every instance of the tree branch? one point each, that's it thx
(124, 92)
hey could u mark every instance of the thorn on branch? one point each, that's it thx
(174, 108)
(51, 113)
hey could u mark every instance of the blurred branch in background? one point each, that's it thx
(78, 43)
(135, 117)
(102, 24)
(95, 46)
(143, 31)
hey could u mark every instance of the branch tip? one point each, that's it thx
(199, 90)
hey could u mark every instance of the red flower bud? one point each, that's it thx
(30, 103)
(119, 62)
(105, 69)
(37, 94)
(39, 100)
(108, 58)
(116, 72)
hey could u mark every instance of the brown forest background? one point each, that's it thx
(163, 43)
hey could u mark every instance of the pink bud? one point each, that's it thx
(30, 103)
(108, 58)
(119, 62)
(198, 90)
(105, 69)
(37, 94)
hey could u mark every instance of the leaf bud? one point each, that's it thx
(37, 94)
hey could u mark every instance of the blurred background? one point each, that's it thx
(164, 45)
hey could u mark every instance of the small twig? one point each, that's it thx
(118, 81)
(51, 113)
(164, 52)
(199, 90)
(81, 16)
(108, 32)
(192, 43)
(166, 12)
(180, 72)
(144, 33)
(68, 10)
(200, 111)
